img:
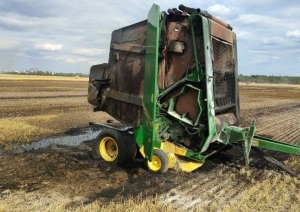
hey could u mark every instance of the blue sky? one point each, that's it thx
(70, 36)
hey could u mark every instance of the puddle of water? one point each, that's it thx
(74, 137)
(67, 140)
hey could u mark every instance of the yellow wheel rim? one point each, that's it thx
(108, 149)
(155, 164)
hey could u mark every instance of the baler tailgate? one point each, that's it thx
(266, 143)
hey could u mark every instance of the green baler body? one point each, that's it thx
(173, 78)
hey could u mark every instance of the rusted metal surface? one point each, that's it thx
(187, 104)
(225, 119)
(96, 72)
(205, 14)
(178, 63)
(179, 94)
(128, 48)
(123, 99)
(221, 32)
(225, 67)
(224, 75)
(127, 63)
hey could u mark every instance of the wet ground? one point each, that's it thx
(73, 170)
(66, 165)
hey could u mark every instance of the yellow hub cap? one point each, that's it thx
(155, 164)
(108, 149)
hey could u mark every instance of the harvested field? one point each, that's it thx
(32, 107)
(69, 178)
(276, 110)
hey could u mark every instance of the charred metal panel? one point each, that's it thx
(178, 63)
(221, 32)
(224, 68)
(126, 66)
(128, 48)
(127, 58)
(179, 54)
(226, 119)
(97, 72)
(237, 101)
(188, 104)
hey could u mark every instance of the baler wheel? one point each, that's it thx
(131, 147)
(110, 146)
(159, 163)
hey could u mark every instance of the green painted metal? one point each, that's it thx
(161, 120)
(212, 131)
(195, 156)
(146, 134)
(183, 118)
(237, 98)
(266, 143)
(246, 137)
(232, 134)
(149, 135)
(139, 136)
(236, 135)
(198, 75)
(248, 142)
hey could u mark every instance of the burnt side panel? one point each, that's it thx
(126, 66)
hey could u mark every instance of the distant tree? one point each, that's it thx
(269, 79)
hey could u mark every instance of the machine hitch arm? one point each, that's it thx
(269, 144)
(266, 143)
(246, 137)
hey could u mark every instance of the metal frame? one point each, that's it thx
(147, 134)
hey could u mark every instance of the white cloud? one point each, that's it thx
(253, 4)
(243, 34)
(291, 11)
(293, 34)
(82, 60)
(90, 51)
(276, 41)
(48, 46)
(8, 44)
(263, 59)
(77, 33)
(219, 9)
(258, 61)
(260, 20)
(223, 11)
(14, 21)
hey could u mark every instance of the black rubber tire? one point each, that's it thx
(131, 147)
(127, 148)
(116, 136)
(163, 160)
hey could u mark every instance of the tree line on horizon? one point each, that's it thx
(269, 79)
(241, 77)
(46, 73)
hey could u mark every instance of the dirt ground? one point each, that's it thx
(74, 174)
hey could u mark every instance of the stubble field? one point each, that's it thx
(69, 178)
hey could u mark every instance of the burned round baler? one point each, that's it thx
(171, 81)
